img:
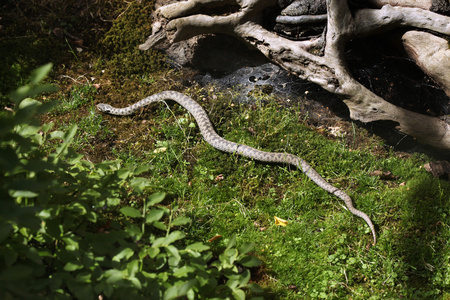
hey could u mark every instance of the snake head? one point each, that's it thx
(106, 108)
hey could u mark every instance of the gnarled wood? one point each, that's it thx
(314, 60)
(431, 54)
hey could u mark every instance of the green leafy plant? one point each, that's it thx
(66, 231)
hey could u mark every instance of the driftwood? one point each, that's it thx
(320, 58)
(432, 54)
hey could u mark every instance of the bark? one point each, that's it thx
(424, 4)
(432, 54)
(302, 20)
(317, 60)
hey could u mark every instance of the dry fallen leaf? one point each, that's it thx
(439, 169)
(280, 222)
(385, 175)
(257, 225)
(159, 150)
(217, 236)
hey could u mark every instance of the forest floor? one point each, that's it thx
(323, 251)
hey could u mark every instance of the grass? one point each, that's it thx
(324, 252)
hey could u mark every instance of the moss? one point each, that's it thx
(119, 47)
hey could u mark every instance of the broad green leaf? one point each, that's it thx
(88, 164)
(231, 242)
(84, 277)
(31, 184)
(45, 253)
(40, 73)
(183, 271)
(246, 248)
(28, 130)
(25, 231)
(229, 256)
(78, 208)
(71, 243)
(171, 293)
(113, 201)
(91, 216)
(81, 290)
(67, 140)
(123, 173)
(124, 253)
(154, 215)
(156, 198)
(199, 247)
(183, 289)
(105, 288)
(141, 169)
(181, 221)
(130, 212)
(158, 242)
(70, 133)
(9, 160)
(160, 225)
(113, 276)
(173, 236)
(20, 94)
(238, 294)
(29, 104)
(47, 126)
(133, 268)
(27, 109)
(43, 88)
(24, 194)
(136, 283)
(139, 183)
(255, 288)
(56, 134)
(72, 157)
(33, 255)
(73, 266)
(250, 261)
(16, 272)
(153, 251)
(244, 277)
(175, 257)
(134, 231)
(9, 255)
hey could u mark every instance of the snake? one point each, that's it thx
(216, 141)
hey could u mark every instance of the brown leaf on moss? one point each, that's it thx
(217, 236)
(385, 175)
(440, 169)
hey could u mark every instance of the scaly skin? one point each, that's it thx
(220, 143)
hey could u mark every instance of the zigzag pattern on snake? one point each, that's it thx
(222, 144)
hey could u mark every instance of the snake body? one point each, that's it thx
(211, 137)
